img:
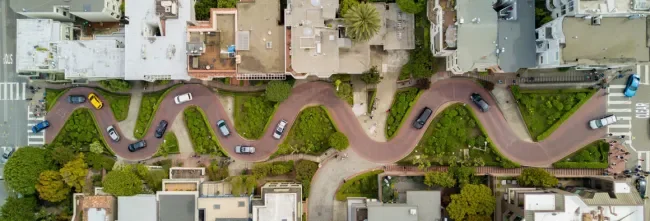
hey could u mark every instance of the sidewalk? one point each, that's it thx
(128, 125)
(510, 111)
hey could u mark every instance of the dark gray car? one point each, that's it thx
(478, 100)
(76, 99)
(422, 118)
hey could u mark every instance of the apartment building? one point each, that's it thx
(419, 206)
(66, 10)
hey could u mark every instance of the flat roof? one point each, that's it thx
(477, 34)
(48, 6)
(139, 207)
(277, 207)
(517, 38)
(176, 206)
(150, 57)
(33, 37)
(397, 28)
(216, 208)
(91, 59)
(428, 203)
(540, 201)
(614, 40)
(573, 203)
(265, 53)
(392, 212)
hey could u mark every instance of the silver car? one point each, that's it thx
(113, 133)
(277, 134)
(598, 123)
(244, 149)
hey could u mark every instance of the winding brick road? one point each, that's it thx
(571, 136)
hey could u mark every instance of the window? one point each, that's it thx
(241, 204)
(541, 59)
(112, 13)
(57, 10)
(216, 206)
(65, 13)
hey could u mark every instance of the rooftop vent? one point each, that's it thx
(413, 212)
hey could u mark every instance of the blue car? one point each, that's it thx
(40, 126)
(632, 85)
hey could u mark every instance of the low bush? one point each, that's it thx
(80, 131)
(119, 103)
(99, 161)
(115, 85)
(169, 145)
(400, 109)
(372, 94)
(148, 107)
(339, 141)
(51, 96)
(305, 171)
(252, 113)
(364, 185)
(310, 133)
(261, 170)
(216, 172)
(203, 138)
(592, 156)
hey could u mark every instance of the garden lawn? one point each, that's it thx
(400, 109)
(449, 133)
(252, 114)
(52, 95)
(592, 156)
(169, 145)
(119, 103)
(79, 131)
(364, 185)
(203, 138)
(148, 108)
(310, 133)
(545, 110)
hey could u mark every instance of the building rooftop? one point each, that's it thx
(98, 208)
(215, 188)
(261, 37)
(391, 212)
(138, 207)
(176, 206)
(427, 202)
(477, 34)
(397, 28)
(277, 207)
(615, 40)
(608, 6)
(48, 6)
(156, 48)
(517, 38)
(224, 208)
(33, 43)
(90, 58)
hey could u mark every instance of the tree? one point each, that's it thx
(423, 83)
(344, 91)
(23, 168)
(18, 209)
(74, 173)
(442, 179)
(277, 91)
(362, 22)
(463, 175)
(346, 4)
(473, 200)
(412, 6)
(339, 141)
(51, 187)
(122, 183)
(62, 155)
(226, 3)
(116, 85)
(96, 147)
(536, 177)
(488, 85)
(371, 76)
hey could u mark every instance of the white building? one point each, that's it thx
(33, 43)
(580, 8)
(66, 10)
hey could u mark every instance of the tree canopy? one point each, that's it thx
(473, 201)
(371, 76)
(74, 173)
(536, 177)
(24, 167)
(339, 141)
(122, 183)
(61, 154)
(442, 179)
(116, 85)
(96, 147)
(277, 91)
(18, 209)
(51, 187)
(411, 6)
(344, 91)
(463, 175)
(362, 22)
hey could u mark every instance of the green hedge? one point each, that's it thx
(52, 95)
(119, 103)
(593, 155)
(148, 107)
(581, 165)
(169, 145)
(204, 140)
(309, 134)
(262, 170)
(371, 99)
(80, 130)
(566, 116)
(364, 185)
(252, 114)
(400, 109)
(505, 162)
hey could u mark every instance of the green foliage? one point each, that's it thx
(442, 179)
(216, 172)
(243, 185)
(227, 3)
(148, 107)
(154, 178)
(463, 175)
(536, 177)
(22, 170)
(51, 187)
(545, 110)
(122, 6)
(592, 156)
(305, 171)
(119, 104)
(341, 77)
(412, 6)
(252, 114)
(79, 132)
(542, 15)
(261, 170)
(61, 154)
(74, 173)
(339, 141)
(52, 95)
(96, 147)
(473, 200)
(309, 133)
(372, 94)
(122, 183)
(344, 91)
(419, 65)
(203, 138)
(362, 22)
(202, 9)
(371, 76)
(364, 185)
(98, 161)
(277, 91)
(169, 145)
(115, 85)
(400, 109)
(347, 4)
(18, 209)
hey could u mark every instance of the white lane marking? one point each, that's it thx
(619, 102)
(646, 159)
(617, 86)
(624, 118)
(619, 94)
(24, 90)
(619, 126)
(617, 134)
(620, 110)
(647, 74)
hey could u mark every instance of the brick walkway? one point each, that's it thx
(150, 87)
(495, 171)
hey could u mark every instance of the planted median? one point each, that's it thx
(119, 103)
(592, 156)
(400, 109)
(204, 140)
(148, 107)
(312, 133)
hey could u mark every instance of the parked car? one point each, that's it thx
(76, 99)
(641, 186)
(277, 134)
(40, 126)
(8, 151)
(137, 145)
(94, 100)
(183, 98)
(478, 100)
(223, 128)
(244, 149)
(632, 85)
(113, 133)
(421, 120)
(160, 130)
(598, 123)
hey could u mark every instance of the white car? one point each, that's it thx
(244, 149)
(113, 133)
(598, 123)
(277, 134)
(183, 98)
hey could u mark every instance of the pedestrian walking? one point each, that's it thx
(641, 160)
(611, 134)
(613, 164)
(625, 160)
(627, 153)
(610, 153)
(622, 136)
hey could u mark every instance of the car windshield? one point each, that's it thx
(599, 123)
(632, 88)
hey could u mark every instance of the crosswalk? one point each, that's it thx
(644, 73)
(34, 138)
(12, 91)
(620, 106)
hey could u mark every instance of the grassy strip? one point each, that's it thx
(52, 95)
(371, 100)
(395, 112)
(505, 162)
(119, 103)
(364, 185)
(252, 115)
(148, 108)
(204, 140)
(169, 145)
(566, 116)
(592, 156)
(310, 133)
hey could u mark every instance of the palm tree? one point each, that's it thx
(362, 22)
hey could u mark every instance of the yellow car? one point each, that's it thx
(94, 100)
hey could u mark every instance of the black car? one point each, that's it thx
(76, 99)
(137, 145)
(478, 100)
(640, 184)
(160, 130)
(422, 118)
